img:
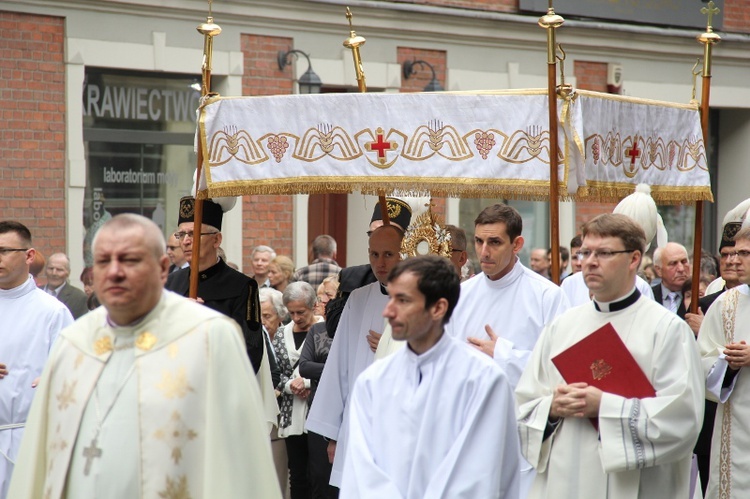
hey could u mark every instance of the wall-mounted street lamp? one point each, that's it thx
(409, 70)
(309, 82)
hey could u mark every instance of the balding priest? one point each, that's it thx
(150, 395)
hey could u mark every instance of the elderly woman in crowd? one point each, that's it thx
(273, 315)
(299, 299)
(280, 272)
(311, 363)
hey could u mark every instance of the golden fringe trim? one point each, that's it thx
(607, 193)
(521, 193)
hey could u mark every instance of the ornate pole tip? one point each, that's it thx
(551, 20)
(209, 28)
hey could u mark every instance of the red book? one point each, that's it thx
(602, 360)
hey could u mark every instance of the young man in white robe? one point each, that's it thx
(723, 341)
(150, 395)
(504, 308)
(436, 418)
(643, 446)
(353, 348)
(32, 319)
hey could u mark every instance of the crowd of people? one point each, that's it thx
(406, 377)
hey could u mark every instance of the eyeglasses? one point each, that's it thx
(181, 235)
(457, 250)
(740, 253)
(322, 299)
(599, 254)
(5, 251)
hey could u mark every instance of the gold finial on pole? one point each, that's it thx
(354, 42)
(209, 30)
(551, 22)
(708, 38)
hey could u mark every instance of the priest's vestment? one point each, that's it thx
(517, 306)
(727, 322)
(350, 355)
(438, 425)
(643, 447)
(177, 386)
(577, 292)
(32, 319)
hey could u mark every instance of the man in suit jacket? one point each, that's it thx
(58, 271)
(673, 266)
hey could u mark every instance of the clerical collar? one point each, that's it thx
(383, 289)
(617, 305)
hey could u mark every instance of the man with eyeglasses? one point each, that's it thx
(640, 207)
(220, 287)
(601, 444)
(32, 320)
(723, 341)
(58, 285)
(175, 254)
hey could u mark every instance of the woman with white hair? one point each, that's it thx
(273, 315)
(299, 299)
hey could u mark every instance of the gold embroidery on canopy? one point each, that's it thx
(437, 138)
(176, 434)
(174, 386)
(326, 140)
(380, 143)
(176, 489)
(66, 397)
(524, 146)
(232, 143)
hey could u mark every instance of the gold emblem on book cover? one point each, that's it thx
(600, 369)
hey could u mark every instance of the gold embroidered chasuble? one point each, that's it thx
(726, 322)
(201, 430)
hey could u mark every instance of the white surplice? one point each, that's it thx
(517, 306)
(436, 425)
(32, 319)
(187, 421)
(350, 355)
(727, 322)
(644, 446)
(577, 292)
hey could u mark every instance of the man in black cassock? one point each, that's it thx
(220, 287)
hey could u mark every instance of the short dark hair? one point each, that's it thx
(12, 226)
(622, 227)
(323, 245)
(502, 213)
(436, 278)
(576, 242)
(458, 237)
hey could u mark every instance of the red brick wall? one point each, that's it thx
(32, 138)
(416, 83)
(736, 16)
(266, 219)
(590, 76)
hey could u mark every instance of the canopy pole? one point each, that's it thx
(708, 39)
(208, 30)
(353, 43)
(551, 22)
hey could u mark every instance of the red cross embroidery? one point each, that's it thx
(633, 152)
(381, 146)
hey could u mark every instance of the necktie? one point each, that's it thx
(674, 301)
